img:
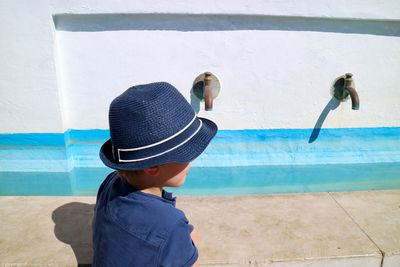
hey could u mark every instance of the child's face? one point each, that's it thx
(174, 174)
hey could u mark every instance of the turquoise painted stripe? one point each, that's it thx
(219, 180)
(31, 160)
(80, 148)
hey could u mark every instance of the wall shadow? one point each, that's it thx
(73, 226)
(194, 101)
(332, 105)
(219, 22)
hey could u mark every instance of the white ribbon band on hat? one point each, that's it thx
(160, 142)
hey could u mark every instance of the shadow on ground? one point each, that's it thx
(73, 226)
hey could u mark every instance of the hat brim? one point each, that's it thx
(183, 154)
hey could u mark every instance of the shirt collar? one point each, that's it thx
(165, 196)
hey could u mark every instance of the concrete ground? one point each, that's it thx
(316, 229)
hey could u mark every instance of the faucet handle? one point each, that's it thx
(348, 80)
(207, 78)
(349, 75)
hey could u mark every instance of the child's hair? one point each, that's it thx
(127, 175)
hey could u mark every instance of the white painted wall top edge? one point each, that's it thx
(355, 9)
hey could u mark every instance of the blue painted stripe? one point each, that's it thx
(71, 136)
(80, 148)
(273, 135)
(94, 136)
(21, 140)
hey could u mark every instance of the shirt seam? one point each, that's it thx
(150, 196)
(112, 219)
(165, 241)
(193, 259)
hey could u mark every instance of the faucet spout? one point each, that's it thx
(349, 89)
(355, 102)
(208, 97)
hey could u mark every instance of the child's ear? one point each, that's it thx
(153, 171)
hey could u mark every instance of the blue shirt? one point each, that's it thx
(133, 228)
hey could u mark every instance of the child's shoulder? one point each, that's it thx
(146, 207)
(145, 216)
(106, 185)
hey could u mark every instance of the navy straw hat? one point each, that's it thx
(153, 124)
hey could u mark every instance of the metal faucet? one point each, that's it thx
(349, 89)
(207, 91)
(206, 86)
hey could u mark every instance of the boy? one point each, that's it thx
(155, 134)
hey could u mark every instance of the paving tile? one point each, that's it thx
(52, 231)
(391, 261)
(276, 229)
(335, 262)
(269, 230)
(378, 214)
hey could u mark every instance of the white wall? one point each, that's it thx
(276, 60)
(29, 99)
